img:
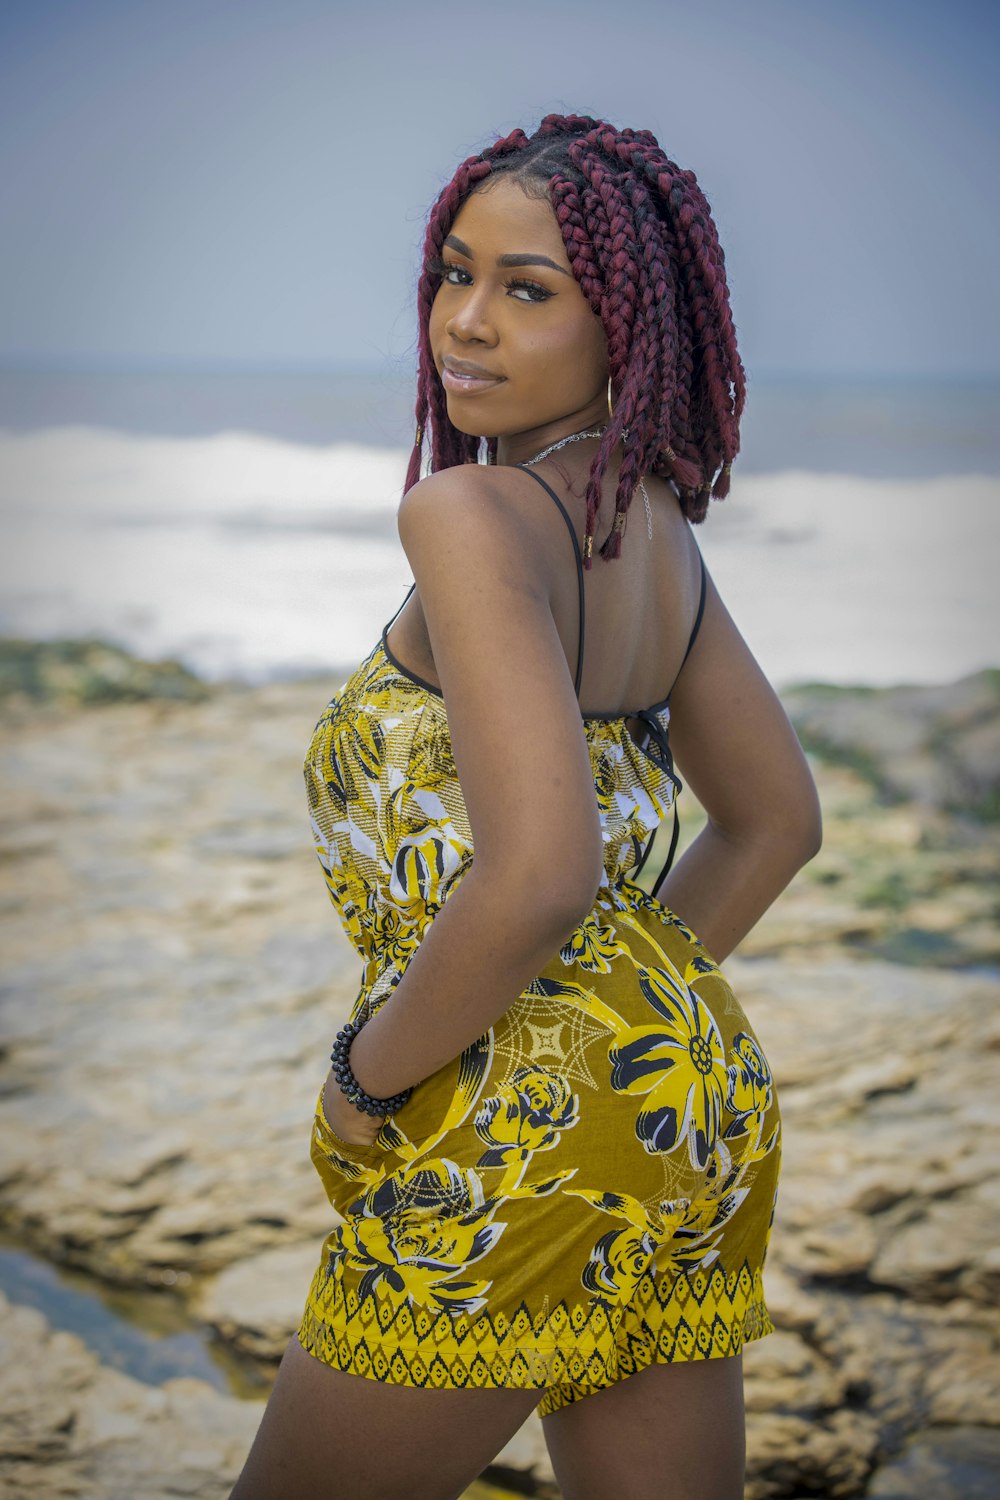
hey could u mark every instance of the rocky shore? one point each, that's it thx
(173, 976)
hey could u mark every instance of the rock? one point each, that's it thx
(785, 1374)
(89, 671)
(791, 1305)
(965, 1386)
(71, 1426)
(255, 1305)
(938, 744)
(789, 1455)
(174, 977)
(928, 1259)
(949, 1463)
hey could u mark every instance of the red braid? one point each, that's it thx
(643, 246)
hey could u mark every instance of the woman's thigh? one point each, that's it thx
(670, 1432)
(330, 1435)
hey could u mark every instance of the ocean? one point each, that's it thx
(243, 522)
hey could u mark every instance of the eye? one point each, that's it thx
(443, 268)
(531, 286)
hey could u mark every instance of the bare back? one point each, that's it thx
(732, 741)
(649, 593)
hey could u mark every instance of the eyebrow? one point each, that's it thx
(521, 259)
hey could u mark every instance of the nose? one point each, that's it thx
(471, 319)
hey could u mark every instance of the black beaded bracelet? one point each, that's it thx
(349, 1084)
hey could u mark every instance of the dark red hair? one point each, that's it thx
(642, 244)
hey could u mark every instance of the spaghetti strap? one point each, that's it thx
(676, 780)
(579, 567)
(697, 622)
(701, 611)
(389, 623)
(657, 730)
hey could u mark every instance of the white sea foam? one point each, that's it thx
(253, 557)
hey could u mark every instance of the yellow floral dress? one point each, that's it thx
(589, 1187)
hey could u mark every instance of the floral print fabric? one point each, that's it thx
(591, 1185)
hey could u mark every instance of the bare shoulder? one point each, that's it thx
(514, 722)
(484, 515)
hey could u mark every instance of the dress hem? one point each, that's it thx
(394, 1365)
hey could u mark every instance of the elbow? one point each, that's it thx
(791, 843)
(815, 841)
(798, 814)
(569, 912)
(563, 921)
(804, 841)
(801, 829)
(547, 898)
(560, 906)
(570, 885)
(803, 838)
(811, 831)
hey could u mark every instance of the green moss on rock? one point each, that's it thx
(89, 671)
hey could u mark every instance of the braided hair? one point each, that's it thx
(643, 247)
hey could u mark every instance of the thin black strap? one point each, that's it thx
(697, 621)
(389, 623)
(579, 566)
(673, 845)
(677, 784)
(579, 574)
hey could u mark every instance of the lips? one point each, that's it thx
(468, 385)
(466, 367)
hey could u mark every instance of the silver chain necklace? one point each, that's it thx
(576, 437)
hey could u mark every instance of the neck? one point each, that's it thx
(526, 449)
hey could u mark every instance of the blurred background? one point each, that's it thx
(212, 218)
(212, 222)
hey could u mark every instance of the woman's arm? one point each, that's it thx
(737, 751)
(483, 948)
(722, 886)
(476, 546)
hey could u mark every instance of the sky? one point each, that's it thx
(197, 183)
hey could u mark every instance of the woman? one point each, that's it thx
(551, 1132)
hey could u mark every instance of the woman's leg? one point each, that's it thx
(330, 1435)
(669, 1432)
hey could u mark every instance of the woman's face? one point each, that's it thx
(528, 326)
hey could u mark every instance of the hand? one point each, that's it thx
(350, 1123)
